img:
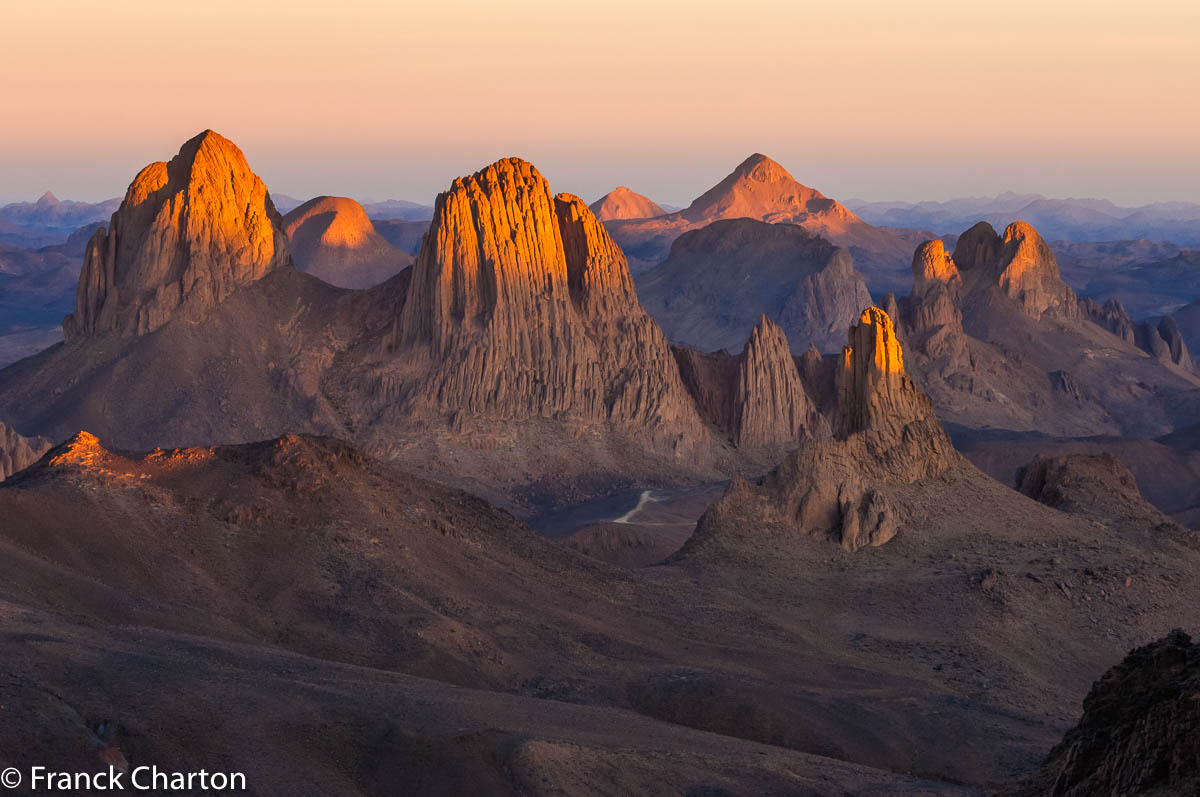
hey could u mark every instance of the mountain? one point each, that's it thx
(999, 341)
(513, 357)
(398, 209)
(621, 203)
(1058, 219)
(718, 280)
(49, 220)
(404, 235)
(332, 239)
(187, 234)
(1138, 732)
(885, 432)
(1148, 278)
(523, 306)
(286, 204)
(761, 189)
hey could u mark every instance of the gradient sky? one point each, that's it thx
(883, 100)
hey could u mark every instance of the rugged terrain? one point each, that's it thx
(718, 280)
(844, 653)
(999, 341)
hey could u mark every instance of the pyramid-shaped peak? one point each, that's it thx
(625, 203)
(762, 169)
(48, 198)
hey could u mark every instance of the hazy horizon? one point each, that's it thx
(929, 101)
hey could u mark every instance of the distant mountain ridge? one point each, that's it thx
(1071, 219)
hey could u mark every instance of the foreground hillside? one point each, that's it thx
(852, 638)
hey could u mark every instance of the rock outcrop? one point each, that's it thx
(17, 452)
(720, 278)
(1095, 484)
(188, 234)
(331, 238)
(1019, 265)
(757, 398)
(621, 203)
(1162, 340)
(1140, 729)
(886, 434)
(522, 306)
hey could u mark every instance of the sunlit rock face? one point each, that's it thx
(936, 299)
(1018, 264)
(524, 307)
(622, 203)
(886, 434)
(188, 233)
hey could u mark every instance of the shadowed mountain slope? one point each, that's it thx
(332, 239)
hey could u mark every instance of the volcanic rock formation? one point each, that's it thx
(1162, 340)
(331, 238)
(17, 452)
(621, 203)
(523, 306)
(885, 434)
(720, 278)
(1140, 729)
(761, 189)
(756, 398)
(997, 339)
(187, 235)
(1020, 265)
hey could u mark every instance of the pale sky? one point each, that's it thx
(926, 99)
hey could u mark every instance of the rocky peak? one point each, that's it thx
(523, 307)
(1162, 341)
(598, 278)
(18, 452)
(622, 203)
(188, 234)
(1165, 342)
(1112, 316)
(933, 267)
(759, 188)
(976, 248)
(1028, 273)
(839, 488)
(771, 405)
(873, 387)
(47, 199)
(757, 398)
(493, 256)
(1018, 265)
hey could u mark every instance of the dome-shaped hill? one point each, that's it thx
(332, 239)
